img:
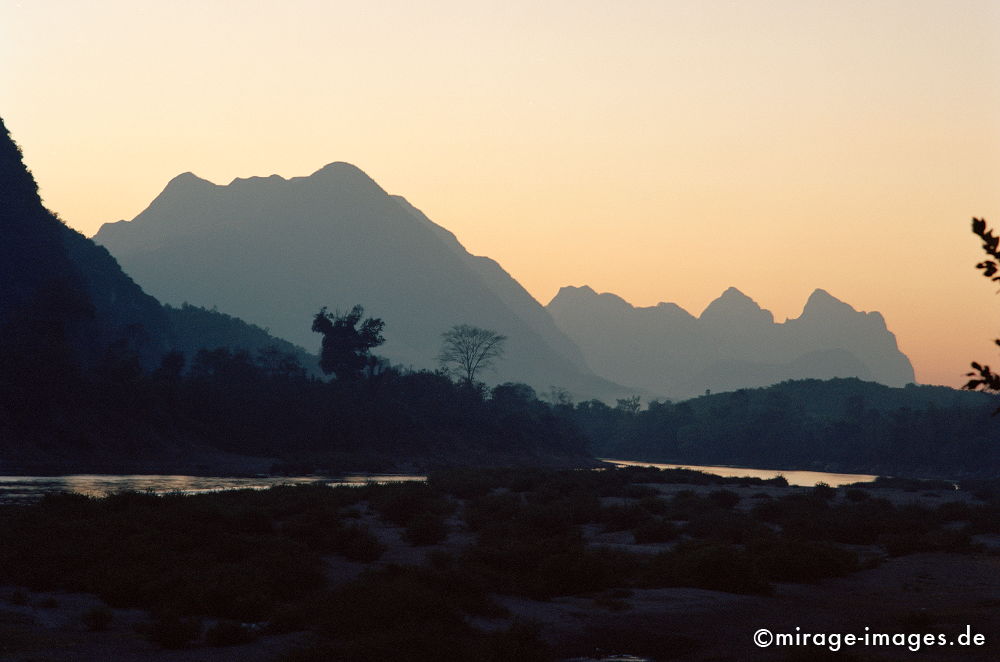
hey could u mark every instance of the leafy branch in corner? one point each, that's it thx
(982, 377)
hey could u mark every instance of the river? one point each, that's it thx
(796, 477)
(25, 489)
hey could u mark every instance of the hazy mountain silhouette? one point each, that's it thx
(733, 344)
(54, 278)
(273, 251)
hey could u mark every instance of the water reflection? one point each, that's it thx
(800, 478)
(24, 489)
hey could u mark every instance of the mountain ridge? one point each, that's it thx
(273, 251)
(734, 343)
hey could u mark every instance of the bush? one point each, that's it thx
(716, 567)
(172, 631)
(855, 494)
(824, 491)
(622, 518)
(357, 543)
(796, 561)
(98, 619)
(426, 529)
(724, 498)
(228, 633)
(655, 531)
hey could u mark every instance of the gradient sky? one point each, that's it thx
(659, 150)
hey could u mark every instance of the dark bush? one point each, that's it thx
(724, 498)
(855, 494)
(655, 531)
(797, 561)
(98, 619)
(228, 633)
(173, 631)
(622, 518)
(717, 567)
(824, 491)
(426, 529)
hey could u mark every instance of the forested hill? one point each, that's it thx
(842, 425)
(97, 376)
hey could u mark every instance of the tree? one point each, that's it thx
(469, 349)
(346, 349)
(982, 377)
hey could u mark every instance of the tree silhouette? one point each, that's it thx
(469, 349)
(982, 377)
(346, 349)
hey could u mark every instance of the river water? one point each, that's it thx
(24, 489)
(800, 478)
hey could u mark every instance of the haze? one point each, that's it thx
(658, 150)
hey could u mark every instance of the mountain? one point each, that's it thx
(733, 344)
(273, 251)
(55, 282)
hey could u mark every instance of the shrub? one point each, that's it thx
(172, 631)
(824, 491)
(856, 494)
(426, 529)
(724, 498)
(228, 633)
(718, 567)
(654, 531)
(622, 518)
(98, 619)
(357, 543)
(797, 561)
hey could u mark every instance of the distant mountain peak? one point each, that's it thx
(187, 180)
(823, 306)
(340, 169)
(822, 300)
(734, 306)
(573, 290)
(571, 294)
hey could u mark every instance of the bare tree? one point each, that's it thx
(468, 349)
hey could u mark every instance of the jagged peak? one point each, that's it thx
(573, 290)
(822, 302)
(735, 304)
(187, 179)
(671, 307)
(585, 293)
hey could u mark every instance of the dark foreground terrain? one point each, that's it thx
(502, 565)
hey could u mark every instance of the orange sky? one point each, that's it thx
(660, 150)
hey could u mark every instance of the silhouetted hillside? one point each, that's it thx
(273, 251)
(96, 375)
(733, 344)
(840, 425)
(193, 328)
(54, 277)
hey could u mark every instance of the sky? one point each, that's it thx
(661, 150)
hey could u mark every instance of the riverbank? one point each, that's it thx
(659, 564)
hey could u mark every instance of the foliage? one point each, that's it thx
(982, 377)
(842, 425)
(346, 348)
